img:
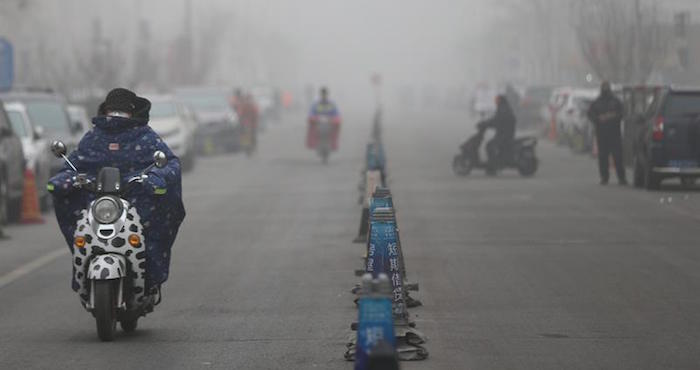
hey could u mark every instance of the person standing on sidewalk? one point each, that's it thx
(606, 115)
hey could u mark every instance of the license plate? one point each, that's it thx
(683, 163)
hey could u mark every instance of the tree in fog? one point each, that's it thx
(621, 40)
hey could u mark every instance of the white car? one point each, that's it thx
(36, 147)
(574, 126)
(79, 116)
(175, 124)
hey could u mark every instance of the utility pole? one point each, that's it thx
(637, 76)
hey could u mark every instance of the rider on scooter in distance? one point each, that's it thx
(121, 138)
(503, 122)
(327, 108)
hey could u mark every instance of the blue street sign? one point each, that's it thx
(374, 156)
(7, 68)
(375, 325)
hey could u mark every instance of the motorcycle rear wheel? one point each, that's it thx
(527, 166)
(324, 156)
(105, 310)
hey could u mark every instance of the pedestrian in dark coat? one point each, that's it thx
(606, 115)
(121, 138)
(504, 123)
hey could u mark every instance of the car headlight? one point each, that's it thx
(106, 210)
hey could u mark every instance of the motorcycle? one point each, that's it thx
(521, 157)
(111, 278)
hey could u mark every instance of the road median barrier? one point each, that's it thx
(372, 181)
(383, 257)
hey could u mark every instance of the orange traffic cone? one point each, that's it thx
(30, 200)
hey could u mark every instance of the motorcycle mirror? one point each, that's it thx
(160, 159)
(58, 148)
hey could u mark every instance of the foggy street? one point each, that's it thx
(549, 272)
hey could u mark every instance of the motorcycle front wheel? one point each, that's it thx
(105, 309)
(129, 325)
(462, 165)
(324, 155)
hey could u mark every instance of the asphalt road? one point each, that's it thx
(551, 272)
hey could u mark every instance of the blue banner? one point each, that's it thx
(7, 68)
(374, 156)
(375, 325)
(385, 202)
(383, 257)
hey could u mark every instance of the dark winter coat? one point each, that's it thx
(127, 144)
(503, 121)
(606, 113)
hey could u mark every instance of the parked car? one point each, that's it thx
(78, 116)
(668, 142)
(47, 110)
(218, 126)
(36, 148)
(532, 104)
(572, 118)
(175, 123)
(550, 114)
(12, 165)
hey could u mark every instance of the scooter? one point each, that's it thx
(109, 254)
(521, 157)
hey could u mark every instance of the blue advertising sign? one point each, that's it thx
(384, 202)
(383, 258)
(7, 68)
(375, 325)
(374, 156)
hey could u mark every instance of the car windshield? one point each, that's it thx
(17, 122)
(163, 109)
(206, 102)
(49, 115)
(682, 104)
(538, 94)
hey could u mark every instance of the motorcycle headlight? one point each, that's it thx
(106, 210)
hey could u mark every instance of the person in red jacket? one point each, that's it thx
(323, 107)
(248, 114)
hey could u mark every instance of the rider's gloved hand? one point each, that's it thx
(61, 184)
(155, 183)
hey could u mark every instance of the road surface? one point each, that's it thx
(551, 272)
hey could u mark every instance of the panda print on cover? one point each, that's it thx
(135, 256)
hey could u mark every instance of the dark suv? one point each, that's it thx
(668, 141)
(12, 165)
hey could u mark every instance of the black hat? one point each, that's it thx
(120, 100)
(124, 100)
